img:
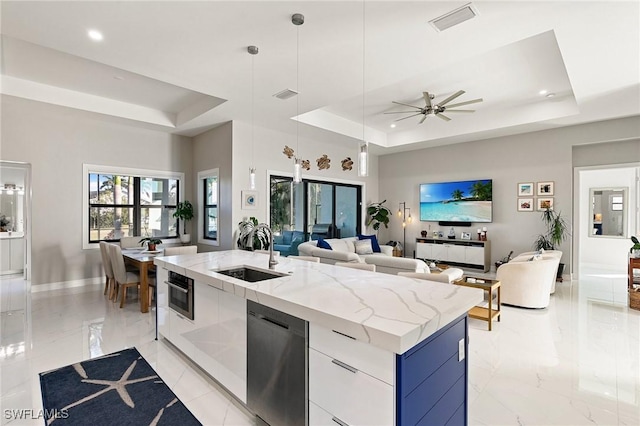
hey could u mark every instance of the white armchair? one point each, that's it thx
(527, 283)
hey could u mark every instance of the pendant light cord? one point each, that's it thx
(252, 109)
(363, 68)
(298, 90)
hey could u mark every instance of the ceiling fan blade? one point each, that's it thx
(422, 119)
(400, 103)
(400, 112)
(465, 103)
(427, 99)
(452, 97)
(461, 110)
(404, 118)
(444, 117)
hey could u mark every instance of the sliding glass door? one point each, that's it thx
(317, 208)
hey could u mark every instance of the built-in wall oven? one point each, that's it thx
(181, 294)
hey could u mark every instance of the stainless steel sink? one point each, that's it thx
(249, 274)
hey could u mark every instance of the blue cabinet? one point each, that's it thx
(431, 379)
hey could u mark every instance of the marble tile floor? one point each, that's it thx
(574, 363)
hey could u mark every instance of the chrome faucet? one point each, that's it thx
(272, 261)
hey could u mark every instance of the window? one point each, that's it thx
(208, 194)
(128, 202)
(317, 208)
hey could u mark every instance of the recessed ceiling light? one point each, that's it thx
(543, 92)
(551, 95)
(393, 125)
(95, 35)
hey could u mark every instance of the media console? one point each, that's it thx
(466, 253)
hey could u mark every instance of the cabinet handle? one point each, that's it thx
(345, 366)
(340, 422)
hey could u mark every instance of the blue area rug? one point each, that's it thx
(120, 388)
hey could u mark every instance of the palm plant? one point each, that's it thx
(457, 194)
(557, 231)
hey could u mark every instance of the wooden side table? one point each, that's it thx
(480, 312)
(634, 295)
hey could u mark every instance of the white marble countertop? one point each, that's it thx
(391, 312)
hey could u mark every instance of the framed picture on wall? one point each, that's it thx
(545, 189)
(545, 203)
(525, 204)
(249, 200)
(525, 189)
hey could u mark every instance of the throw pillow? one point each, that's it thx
(323, 244)
(364, 247)
(374, 242)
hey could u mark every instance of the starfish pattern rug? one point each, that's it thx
(120, 388)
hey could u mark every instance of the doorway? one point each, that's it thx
(606, 216)
(15, 235)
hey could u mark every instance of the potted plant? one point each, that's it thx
(378, 214)
(4, 223)
(151, 242)
(260, 237)
(635, 248)
(184, 212)
(557, 232)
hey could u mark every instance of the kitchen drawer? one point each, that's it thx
(320, 417)
(355, 398)
(363, 356)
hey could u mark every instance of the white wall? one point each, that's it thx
(213, 149)
(529, 157)
(57, 141)
(268, 156)
(601, 251)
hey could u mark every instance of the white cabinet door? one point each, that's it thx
(320, 417)
(232, 356)
(474, 255)
(17, 254)
(424, 251)
(439, 252)
(455, 253)
(179, 330)
(162, 302)
(206, 335)
(5, 255)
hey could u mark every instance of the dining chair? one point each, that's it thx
(307, 258)
(109, 284)
(130, 242)
(172, 251)
(123, 278)
(356, 265)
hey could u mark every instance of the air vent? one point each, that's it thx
(286, 94)
(454, 17)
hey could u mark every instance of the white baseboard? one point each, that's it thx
(67, 284)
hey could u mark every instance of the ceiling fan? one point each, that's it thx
(436, 109)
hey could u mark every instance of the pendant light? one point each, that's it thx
(253, 50)
(363, 147)
(297, 19)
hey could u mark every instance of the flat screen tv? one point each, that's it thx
(465, 201)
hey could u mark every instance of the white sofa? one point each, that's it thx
(343, 250)
(447, 276)
(527, 283)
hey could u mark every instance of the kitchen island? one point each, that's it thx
(383, 349)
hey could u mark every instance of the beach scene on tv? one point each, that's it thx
(467, 201)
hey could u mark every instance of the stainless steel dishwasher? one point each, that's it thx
(277, 366)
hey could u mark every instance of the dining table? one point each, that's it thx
(143, 261)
